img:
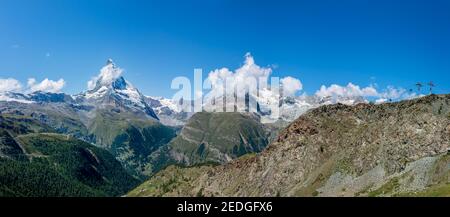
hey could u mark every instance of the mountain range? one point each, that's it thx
(392, 149)
(107, 140)
(110, 89)
(144, 134)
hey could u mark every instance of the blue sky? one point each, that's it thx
(319, 42)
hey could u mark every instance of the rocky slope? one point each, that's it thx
(389, 149)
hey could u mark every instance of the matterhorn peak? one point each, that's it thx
(108, 75)
(110, 62)
(109, 87)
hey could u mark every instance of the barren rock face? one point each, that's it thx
(337, 150)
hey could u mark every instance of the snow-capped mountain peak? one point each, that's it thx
(109, 80)
(111, 88)
(109, 75)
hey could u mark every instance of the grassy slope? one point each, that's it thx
(233, 134)
(174, 177)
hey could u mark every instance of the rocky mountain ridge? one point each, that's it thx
(335, 150)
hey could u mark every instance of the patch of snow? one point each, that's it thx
(97, 94)
(131, 94)
(10, 97)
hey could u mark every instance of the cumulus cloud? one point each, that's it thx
(351, 90)
(246, 86)
(91, 83)
(249, 71)
(107, 75)
(248, 77)
(10, 84)
(291, 85)
(45, 85)
(381, 100)
(391, 93)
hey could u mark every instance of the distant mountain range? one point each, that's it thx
(106, 140)
(120, 93)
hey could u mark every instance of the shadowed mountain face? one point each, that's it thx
(335, 150)
(130, 139)
(34, 161)
(9, 148)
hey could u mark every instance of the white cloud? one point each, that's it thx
(381, 100)
(351, 90)
(91, 83)
(391, 93)
(31, 82)
(249, 76)
(291, 85)
(45, 85)
(247, 87)
(248, 71)
(107, 75)
(10, 84)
